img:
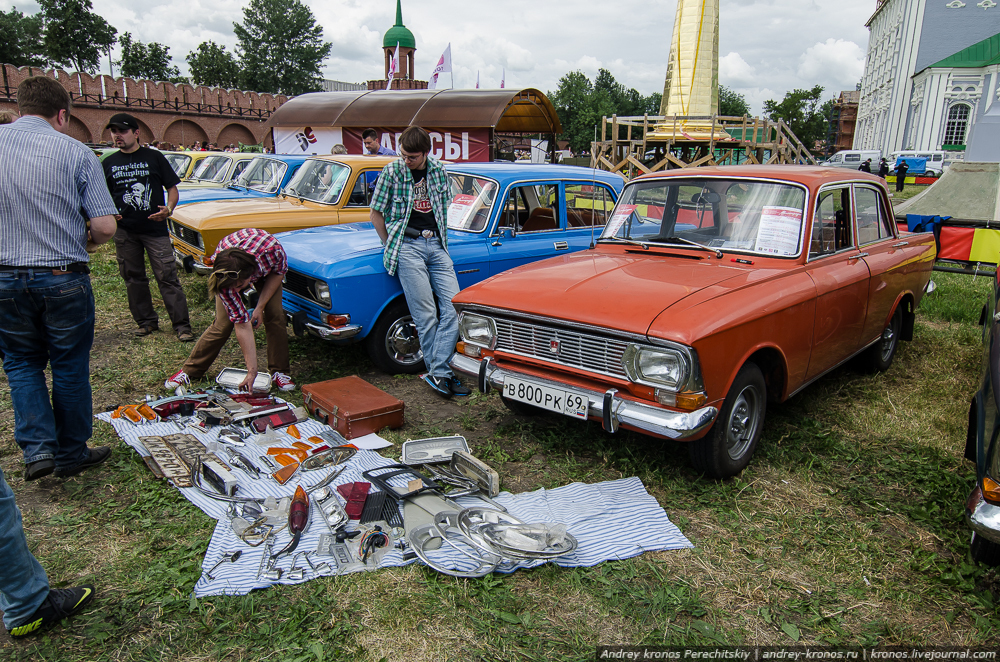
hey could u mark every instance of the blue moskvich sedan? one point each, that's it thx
(501, 215)
(264, 177)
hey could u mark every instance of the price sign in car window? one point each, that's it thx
(778, 232)
(459, 210)
(622, 212)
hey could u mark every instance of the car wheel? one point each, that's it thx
(880, 354)
(727, 448)
(393, 344)
(984, 551)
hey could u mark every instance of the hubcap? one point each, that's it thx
(743, 422)
(402, 343)
(888, 341)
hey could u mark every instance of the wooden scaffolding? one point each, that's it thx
(633, 146)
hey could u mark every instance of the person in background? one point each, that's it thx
(409, 211)
(246, 257)
(883, 168)
(370, 138)
(7, 117)
(866, 166)
(901, 169)
(338, 149)
(52, 185)
(136, 177)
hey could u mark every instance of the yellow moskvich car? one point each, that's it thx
(326, 190)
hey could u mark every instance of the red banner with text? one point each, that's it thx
(446, 144)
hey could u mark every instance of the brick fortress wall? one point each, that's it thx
(179, 114)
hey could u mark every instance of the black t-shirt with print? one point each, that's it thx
(422, 216)
(137, 182)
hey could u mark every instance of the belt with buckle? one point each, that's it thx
(414, 233)
(61, 270)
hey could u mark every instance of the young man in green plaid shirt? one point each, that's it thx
(410, 212)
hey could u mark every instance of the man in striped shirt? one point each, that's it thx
(51, 185)
(244, 257)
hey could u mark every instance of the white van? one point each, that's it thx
(935, 159)
(852, 158)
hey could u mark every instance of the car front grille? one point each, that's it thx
(574, 349)
(185, 234)
(300, 285)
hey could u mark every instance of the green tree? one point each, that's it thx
(732, 102)
(574, 104)
(74, 35)
(213, 65)
(280, 47)
(800, 110)
(141, 60)
(22, 44)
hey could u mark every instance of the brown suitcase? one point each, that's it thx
(352, 406)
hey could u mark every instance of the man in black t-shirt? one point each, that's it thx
(136, 177)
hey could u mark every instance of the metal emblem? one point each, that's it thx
(554, 346)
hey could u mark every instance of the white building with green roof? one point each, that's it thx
(931, 73)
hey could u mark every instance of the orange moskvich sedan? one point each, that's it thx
(710, 292)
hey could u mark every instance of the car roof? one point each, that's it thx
(506, 170)
(813, 176)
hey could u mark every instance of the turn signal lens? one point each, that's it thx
(690, 401)
(991, 490)
(338, 320)
(469, 350)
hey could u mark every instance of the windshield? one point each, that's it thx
(471, 201)
(319, 181)
(179, 162)
(738, 215)
(263, 175)
(212, 169)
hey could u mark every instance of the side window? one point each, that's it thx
(852, 158)
(872, 222)
(831, 230)
(532, 208)
(361, 194)
(240, 167)
(587, 205)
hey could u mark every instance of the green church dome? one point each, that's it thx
(399, 33)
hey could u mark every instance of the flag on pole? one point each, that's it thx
(393, 65)
(503, 77)
(443, 65)
(477, 79)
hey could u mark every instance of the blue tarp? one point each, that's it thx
(917, 164)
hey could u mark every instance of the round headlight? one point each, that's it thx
(477, 330)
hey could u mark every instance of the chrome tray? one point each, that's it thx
(432, 450)
(233, 377)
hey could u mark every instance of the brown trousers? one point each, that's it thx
(207, 349)
(131, 249)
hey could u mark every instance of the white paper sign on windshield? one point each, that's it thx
(622, 212)
(778, 232)
(459, 209)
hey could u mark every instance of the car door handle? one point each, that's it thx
(560, 245)
(901, 244)
(858, 256)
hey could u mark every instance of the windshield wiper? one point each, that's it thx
(662, 242)
(717, 252)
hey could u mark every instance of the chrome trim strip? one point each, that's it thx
(984, 519)
(674, 425)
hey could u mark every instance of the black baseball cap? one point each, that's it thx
(124, 121)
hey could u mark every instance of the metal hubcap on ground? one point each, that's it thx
(401, 342)
(743, 422)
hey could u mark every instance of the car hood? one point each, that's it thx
(217, 212)
(322, 251)
(615, 290)
(227, 193)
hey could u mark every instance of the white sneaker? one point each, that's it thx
(279, 379)
(179, 379)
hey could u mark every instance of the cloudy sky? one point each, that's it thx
(766, 47)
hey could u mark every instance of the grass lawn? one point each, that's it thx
(846, 529)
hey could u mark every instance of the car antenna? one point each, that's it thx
(593, 192)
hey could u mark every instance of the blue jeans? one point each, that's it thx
(425, 269)
(23, 583)
(48, 319)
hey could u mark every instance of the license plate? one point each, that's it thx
(545, 397)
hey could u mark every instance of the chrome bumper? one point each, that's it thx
(984, 519)
(608, 406)
(184, 260)
(326, 332)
